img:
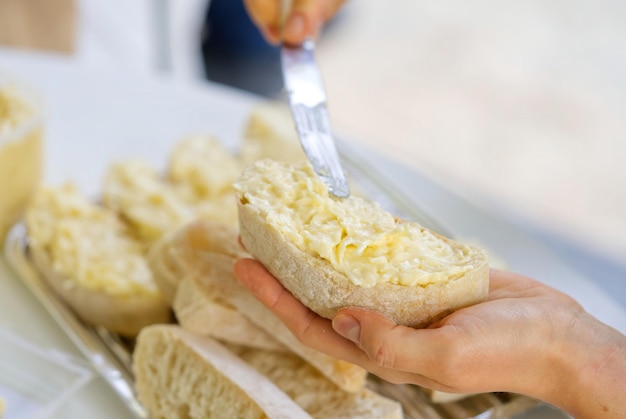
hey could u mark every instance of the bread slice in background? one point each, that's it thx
(203, 169)
(200, 310)
(174, 256)
(270, 133)
(150, 206)
(210, 262)
(347, 376)
(332, 253)
(312, 391)
(92, 262)
(203, 166)
(179, 375)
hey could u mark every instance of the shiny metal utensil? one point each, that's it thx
(307, 99)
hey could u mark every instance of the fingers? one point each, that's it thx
(266, 15)
(389, 345)
(307, 326)
(371, 352)
(304, 20)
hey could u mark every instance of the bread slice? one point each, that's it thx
(92, 262)
(210, 262)
(173, 256)
(270, 133)
(333, 253)
(151, 206)
(347, 376)
(204, 170)
(200, 310)
(179, 375)
(204, 166)
(314, 392)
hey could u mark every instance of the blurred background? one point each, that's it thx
(518, 106)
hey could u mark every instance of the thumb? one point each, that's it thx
(388, 344)
(304, 21)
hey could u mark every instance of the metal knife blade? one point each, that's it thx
(307, 99)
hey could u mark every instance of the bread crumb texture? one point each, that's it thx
(183, 376)
(355, 236)
(315, 393)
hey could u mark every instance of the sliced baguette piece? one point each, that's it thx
(179, 375)
(345, 375)
(314, 392)
(199, 256)
(200, 310)
(333, 253)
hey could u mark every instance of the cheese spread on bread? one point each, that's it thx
(357, 237)
(204, 165)
(152, 207)
(87, 243)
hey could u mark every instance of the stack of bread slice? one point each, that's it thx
(229, 356)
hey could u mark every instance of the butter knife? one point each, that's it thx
(307, 100)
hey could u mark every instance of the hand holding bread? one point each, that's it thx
(332, 253)
(526, 338)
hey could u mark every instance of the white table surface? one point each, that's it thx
(95, 117)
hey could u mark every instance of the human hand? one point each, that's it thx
(304, 20)
(525, 338)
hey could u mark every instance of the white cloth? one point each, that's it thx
(142, 35)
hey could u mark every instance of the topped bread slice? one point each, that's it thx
(332, 253)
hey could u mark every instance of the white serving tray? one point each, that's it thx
(99, 116)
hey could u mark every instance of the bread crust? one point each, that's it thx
(125, 315)
(182, 375)
(172, 257)
(324, 290)
(200, 310)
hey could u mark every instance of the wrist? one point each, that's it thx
(589, 367)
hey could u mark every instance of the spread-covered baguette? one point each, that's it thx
(333, 253)
(92, 262)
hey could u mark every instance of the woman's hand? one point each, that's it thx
(526, 338)
(304, 20)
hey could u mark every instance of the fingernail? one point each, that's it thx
(294, 27)
(348, 327)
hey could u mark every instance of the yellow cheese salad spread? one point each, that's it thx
(357, 237)
(21, 137)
